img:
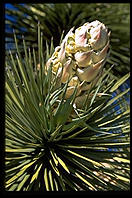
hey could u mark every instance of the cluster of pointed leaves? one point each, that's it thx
(55, 18)
(46, 149)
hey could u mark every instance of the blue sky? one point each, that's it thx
(8, 5)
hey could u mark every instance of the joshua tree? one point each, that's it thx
(64, 129)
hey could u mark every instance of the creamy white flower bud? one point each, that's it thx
(80, 36)
(89, 73)
(99, 35)
(74, 81)
(61, 53)
(69, 92)
(67, 71)
(83, 58)
(98, 56)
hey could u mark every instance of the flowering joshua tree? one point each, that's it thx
(63, 131)
(80, 58)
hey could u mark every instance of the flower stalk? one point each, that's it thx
(80, 57)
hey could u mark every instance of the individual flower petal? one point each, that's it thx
(83, 58)
(70, 33)
(57, 48)
(48, 63)
(98, 65)
(67, 71)
(93, 83)
(69, 92)
(61, 53)
(96, 57)
(80, 36)
(74, 81)
(89, 73)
